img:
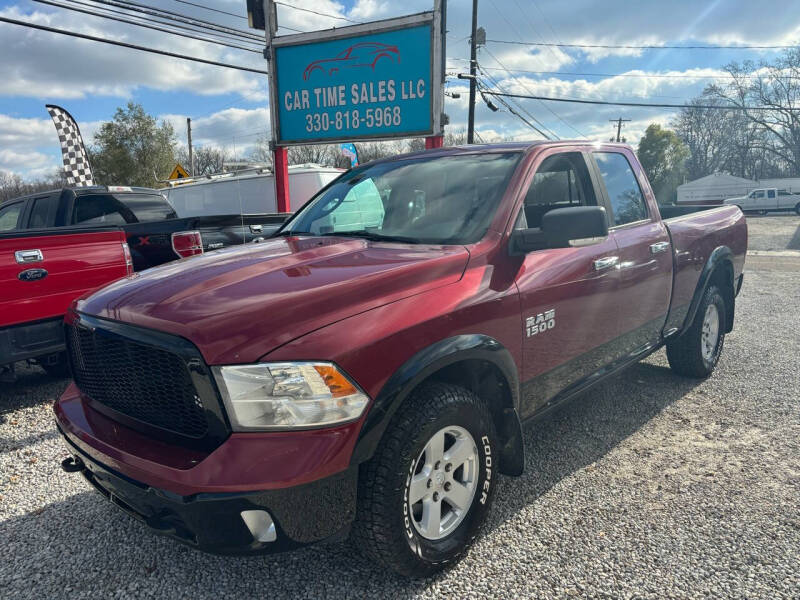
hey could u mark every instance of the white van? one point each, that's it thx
(247, 193)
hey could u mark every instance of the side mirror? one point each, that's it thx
(561, 227)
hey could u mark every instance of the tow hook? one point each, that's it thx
(73, 464)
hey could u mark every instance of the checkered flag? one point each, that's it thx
(76, 161)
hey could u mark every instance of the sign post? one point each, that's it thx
(371, 81)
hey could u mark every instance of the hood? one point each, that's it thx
(239, 303)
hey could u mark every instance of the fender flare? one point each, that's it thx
(719, 256)
(430, 360)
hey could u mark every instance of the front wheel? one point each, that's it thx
(424, 495)
(696, 352)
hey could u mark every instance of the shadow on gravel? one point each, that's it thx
(32, 388)
(794, 243)
(119, 554)
(586, 429)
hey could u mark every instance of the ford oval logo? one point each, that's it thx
(32, 275)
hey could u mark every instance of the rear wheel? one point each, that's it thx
(424, 495)
(697, 351)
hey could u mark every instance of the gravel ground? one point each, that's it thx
(774, 232)
(650, 486)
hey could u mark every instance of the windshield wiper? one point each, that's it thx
(377, 237)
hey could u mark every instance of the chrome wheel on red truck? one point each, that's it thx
(424, 495)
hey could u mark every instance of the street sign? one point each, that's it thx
(378, 80)
(178, 173)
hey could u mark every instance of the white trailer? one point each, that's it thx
(247, 193)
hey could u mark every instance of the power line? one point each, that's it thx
(157, 12)
(513, 112)
(643, 47)
(567, 123)
(639, 104)
(216, 10)
(634, 75)
(127, 45)
(144, 25)
(171, 22)
(316, 12)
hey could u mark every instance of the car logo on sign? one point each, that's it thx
(363, 54)
(32, 275)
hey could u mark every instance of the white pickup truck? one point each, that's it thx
(764, 200)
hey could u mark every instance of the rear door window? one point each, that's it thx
(99, 209)
(624, 193)
(148, 207)
(9, 216)
(43, 212)
(771, 194)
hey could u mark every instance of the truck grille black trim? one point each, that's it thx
(148, 380)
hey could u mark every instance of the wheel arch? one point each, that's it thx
(717, 269)
(473, 361)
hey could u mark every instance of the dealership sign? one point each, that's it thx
(373, 81)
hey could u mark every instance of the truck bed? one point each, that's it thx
(695, 232)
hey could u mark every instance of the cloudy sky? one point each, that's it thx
(229, 108)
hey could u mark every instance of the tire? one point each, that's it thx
(390, 528)
(695, 353)
(58, 369)
(797, 209)
(763, 213)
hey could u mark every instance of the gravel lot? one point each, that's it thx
(774, 233)
(650, 486)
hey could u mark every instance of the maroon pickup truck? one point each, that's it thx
(368, 370)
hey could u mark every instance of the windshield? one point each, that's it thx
(444, 200)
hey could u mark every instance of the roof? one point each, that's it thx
(499, 147)
(88, 189)
(716, 179)
(250, 174)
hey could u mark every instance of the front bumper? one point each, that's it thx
(302, 479)
(312, 513)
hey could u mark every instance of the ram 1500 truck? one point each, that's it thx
(154, 231)
(40, 276)
(368, 370)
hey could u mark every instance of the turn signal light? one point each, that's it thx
(187, 243)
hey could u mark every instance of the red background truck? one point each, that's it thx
(367, 370)
(41, 274)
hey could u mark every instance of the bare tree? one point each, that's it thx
(773, 85)
(207, 159)
(12, 185)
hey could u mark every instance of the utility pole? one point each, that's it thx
(619, 123)
(473, 71)
(189, 142)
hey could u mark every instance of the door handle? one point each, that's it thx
(28, 256)
(604, 263)
(659, 247)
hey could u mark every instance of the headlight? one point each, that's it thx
(271, 396)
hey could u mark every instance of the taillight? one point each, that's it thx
(126, 251)
(187, 243)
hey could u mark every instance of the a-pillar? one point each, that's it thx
(280, 164)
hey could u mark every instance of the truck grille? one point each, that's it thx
(141, 381)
